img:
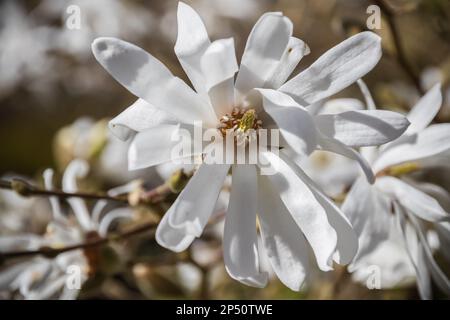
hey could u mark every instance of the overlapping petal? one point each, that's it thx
(240, 240)
(336, 69)
(294, 122)
(283, 240)
(139, 116)
(414, 200)
(192, 42)
(147, 78)
(432, 141)
(305, 210)
(265, 47)
(361, 128)
(425, 110)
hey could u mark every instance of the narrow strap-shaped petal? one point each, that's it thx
(265, 47)
(54, 201)
(335, 70)
(362, 128)
(77, 169)
(240, 251)
(149, 79)
(139, 116)
(284, 243)
(119, 213)
(192, 42)
(369, 215)
(416, 201)
(294, 52)
(425, 110)
(430, 142)
(305, 210)
(193, 207)
(159, 144)
(415, 252)
(172, 238)
(347, 241)
(219, 66)
(294, 122)
(436, 272)
(370, 104)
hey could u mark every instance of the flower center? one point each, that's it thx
(242, 123)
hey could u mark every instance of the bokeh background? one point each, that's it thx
(55, 98)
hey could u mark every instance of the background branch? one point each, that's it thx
(401, 56)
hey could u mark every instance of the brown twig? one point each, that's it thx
(24, 188)
(401, 56)
(174, 185)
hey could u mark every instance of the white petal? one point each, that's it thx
(294, 122)
(156, 145)
(54, 201)
(192, 42)
(425, 110)
(369, 216)
(119, 213)
(414, 200)
(305, 209)
(191, 210)
(362, 128)
(416, 253)
(294, 52)
(219, 65)
(149, 79)
(347, 241)
(333, 145)
(77, 169)
(367, 95)
(436, 272)
(138, 117)
(265, 47)
(219, 62)
(429, 143)
(240, 240)
(283, 241)
(335, 70)
(171, 238)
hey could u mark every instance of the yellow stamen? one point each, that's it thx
(247, 121)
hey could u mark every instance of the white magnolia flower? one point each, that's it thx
(394, 199)
(46, 278)
(293, 213)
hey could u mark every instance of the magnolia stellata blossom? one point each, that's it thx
(46, 278)
(293, 213)
(396, 207)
